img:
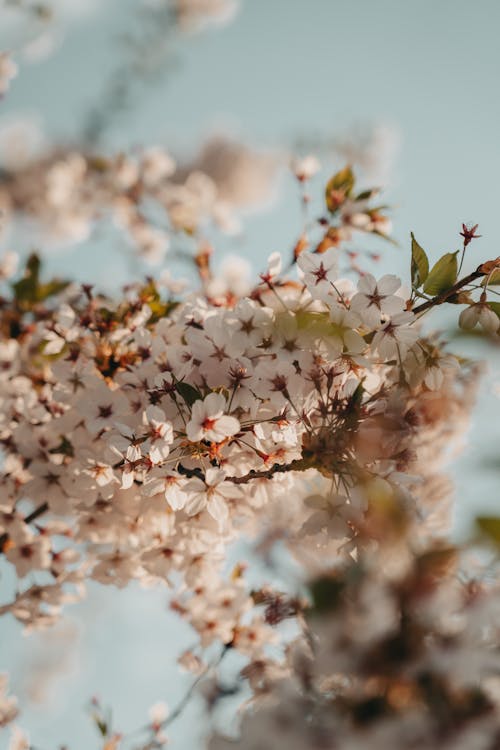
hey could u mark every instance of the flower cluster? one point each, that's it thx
(400, 652)
(144, 435)
(148, 195)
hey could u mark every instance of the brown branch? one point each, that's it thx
(297, 465)
(439, 299)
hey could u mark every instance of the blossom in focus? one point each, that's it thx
(377, 299)
(320, 273)
(396, 335)
(479, 314)
(208, 421)
(211, 493)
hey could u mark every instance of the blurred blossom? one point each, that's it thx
(193, 15)
(19, 740)
(8, 71)
(306, 167)
(373, 150)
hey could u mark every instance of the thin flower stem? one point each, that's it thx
(186, 697)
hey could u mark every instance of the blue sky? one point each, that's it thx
(283, 69)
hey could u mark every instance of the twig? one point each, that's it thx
(266, 473)
(439, 299)
(31, 517)
(186, 697)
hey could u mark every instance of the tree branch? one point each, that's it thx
(267, 473)
(439, 299)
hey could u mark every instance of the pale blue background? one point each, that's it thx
(283, 69)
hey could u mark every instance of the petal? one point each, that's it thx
(367, 284)
(227, 426)
(155, 414)
(388, 284)
(195, 504)
(214, 405)
(175, 497)
(127, 479)
(489, 320)
(194, 431)
(213, 476)
(218, 508)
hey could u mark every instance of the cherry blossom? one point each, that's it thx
(211, 493)
(320, 273)
(395, 335)
(479, 314)
(208, 421)
(144, 434)
(376, 300)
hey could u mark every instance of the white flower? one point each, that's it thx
(274, 264)
(53, 343)
(29, 553)
(208, 421)
(377, 299)
(344, 323)
(210, 494)
(320, 271)
(306, 167)
(160, 434)
(156, 165)
(170, 485)
(152, 243)
(480, 314)
(158, 713)
(397, 335)
(253, 323)
(326, 516)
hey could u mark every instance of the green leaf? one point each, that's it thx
(50, 289)
(494, 279)
(338, 188)
(490, 526)
(28, 290)
(25, 289)
(366, 194)
(188, 392)
(159, 309)
(419, 263)
(101, 725)
(443, 274)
